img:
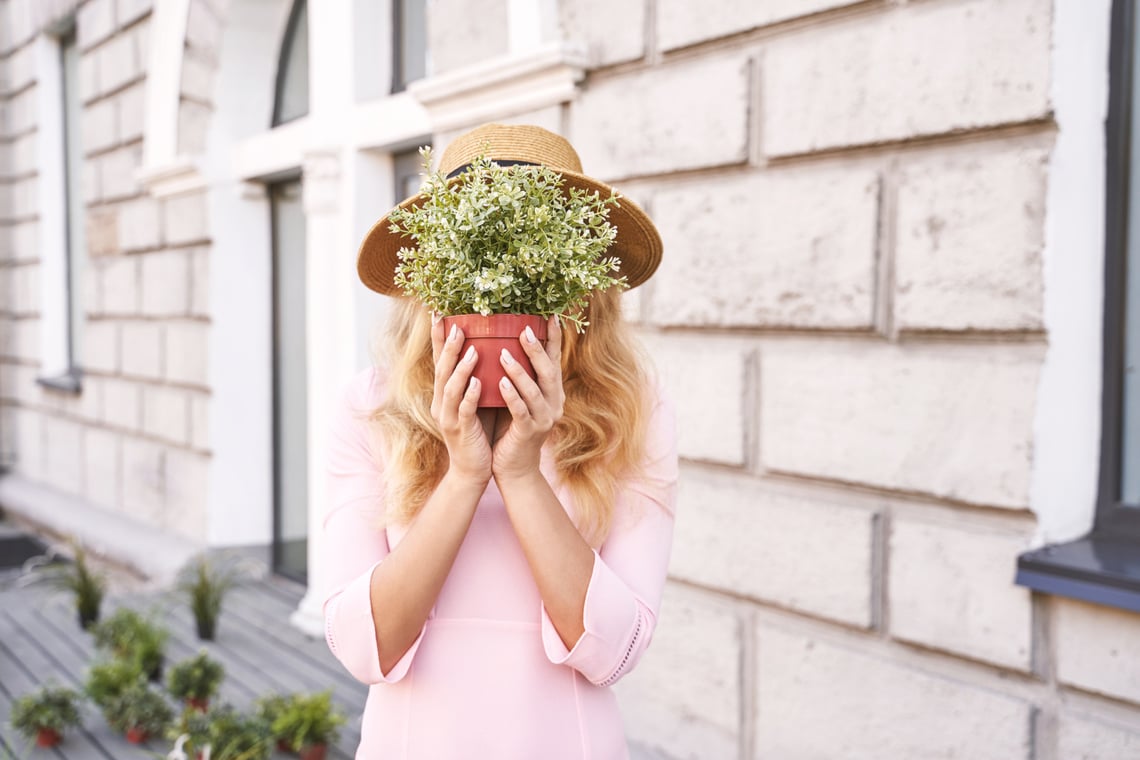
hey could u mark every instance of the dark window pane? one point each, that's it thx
(292, 99)
(1130, 443)
(410, 48)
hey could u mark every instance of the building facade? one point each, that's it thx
(892, 312)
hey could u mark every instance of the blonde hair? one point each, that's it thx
(599, 441)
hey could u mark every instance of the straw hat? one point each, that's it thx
(638, 244)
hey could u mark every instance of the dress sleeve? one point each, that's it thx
(353, 543)
(628, 577)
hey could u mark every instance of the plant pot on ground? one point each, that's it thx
(128, 635)
(77, 577)
(107, 680)
(196, 680)
(504, 240)
(140, 712)
(309, 724)
(266, 708)
(46, 714)
(205, 584)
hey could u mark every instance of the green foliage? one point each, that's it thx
(195, 678)
(107, 680)
(54, 708)
(266, 708)
(230, 734)
(139, 707)
(308, 719)
(506, 240)
(205, 585)
(130, 636)
(80, 579)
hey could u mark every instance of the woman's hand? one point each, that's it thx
(534, 407)
(453, 406)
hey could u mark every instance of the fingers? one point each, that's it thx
(554, 340)
(456, 387)
(535, 403)
(437, 337)
(445, 365)
(547, 364)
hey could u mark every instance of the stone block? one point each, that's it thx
(184, 219)
(613, 31)
(129, 11)
(166, 283)
(971, 227)
(144, 480)
(119, 277)
(482, 34)
(24, 289)
(22, 155)
(89, 76)
(951, 588)
(117, 172)
(1096, 648)
(683, 697)
(63, 453)
(682, 22)
(766, 249)
(166, 413)
(29, 443)
(101, 345)
(140, 228)
(818, 699)
(122, 405)
(810, 555)
(956, 424)
(664, 119)
(1088, 739)
(200, 421)
(132, 116)
(925, 69)
(102, 469)
(187, 347)
(95, 23)
(197, 78)
(102, 232)
(118, 61)
(706, 381)
(200, 282)
(142, 349)
(187, 493)
(100, 125)
(193, 125)
(203, 29)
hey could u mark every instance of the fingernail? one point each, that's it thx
(435, 317)
(530, 335)
(505, 382)
(507, 358)
(470, 355)
(451, 335)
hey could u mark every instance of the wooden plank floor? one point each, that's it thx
(41, 641)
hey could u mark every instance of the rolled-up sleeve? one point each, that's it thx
(624, 592)
(354, 544)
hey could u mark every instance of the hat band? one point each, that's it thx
(460, 169)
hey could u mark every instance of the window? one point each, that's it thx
(406, 168)
(1104, 566)
(62, 242)
(292, 97)
(409, 51)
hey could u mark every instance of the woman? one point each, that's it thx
(491, 588)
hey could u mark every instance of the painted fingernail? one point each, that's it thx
(505, 383)
(435, 317)
(470, 355)
(451, 335)
(507, 358)
(530, 335)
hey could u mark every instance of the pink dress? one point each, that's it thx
(489, 676)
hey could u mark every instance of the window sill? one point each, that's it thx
(69, 382)
(1097, 568)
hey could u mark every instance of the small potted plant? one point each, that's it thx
(80, 579)
(195, 680)
(46, 714)
(140, 712)
(130, 636)
(107, 680)
(266, 708)
(309, 724)
(236, 736)
(205, 585)
(190, 732)
(501, 248)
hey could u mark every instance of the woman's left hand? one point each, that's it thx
(535, 407)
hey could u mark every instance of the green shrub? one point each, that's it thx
(107, 680)
(308, 719)
(141, 708)
(196, 678)
(128, 635)
(52, 708)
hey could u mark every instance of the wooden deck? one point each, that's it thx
(40, 640)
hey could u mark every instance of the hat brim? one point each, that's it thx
(637, 244)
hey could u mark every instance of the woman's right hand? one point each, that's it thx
(454, 404)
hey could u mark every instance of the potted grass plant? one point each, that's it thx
(503, 248)
(196, 680)
(128, 635)
(78, 577)
(205, 585)
(46, 714)
(309, 723)
(139, 712)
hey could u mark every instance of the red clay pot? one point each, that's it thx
(136, 735)
(201, 705)
(490, 335)
(48, 737)
(313, 751)
(284, 746)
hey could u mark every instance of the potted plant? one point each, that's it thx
(266, 708)
(139, 712)
(46, 714)
(80, 579)
(501, 248)
(309, 724)
(236, 736)
(205, 584)
(130, 636)
(195, 680)
(107, 680)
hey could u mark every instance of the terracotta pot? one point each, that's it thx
(313, 752)
(284, 746)
(48, 737)
(490, 335)
(201, 705)
(136, 735)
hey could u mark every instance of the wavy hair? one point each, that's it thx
(599, 441)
